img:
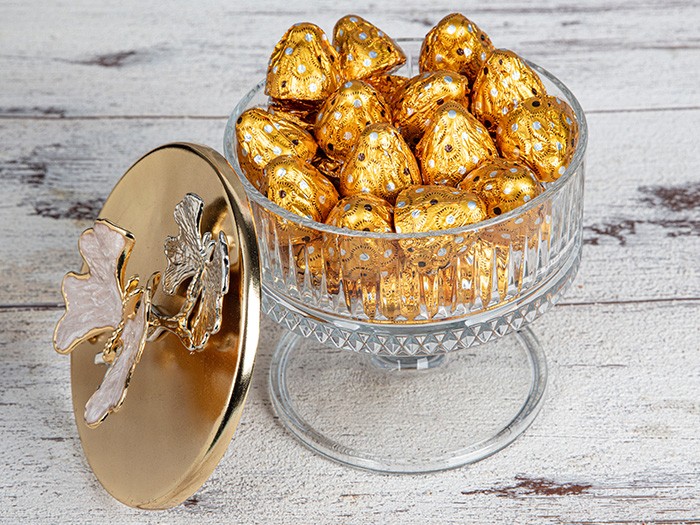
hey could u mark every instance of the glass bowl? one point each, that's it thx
(407, 300)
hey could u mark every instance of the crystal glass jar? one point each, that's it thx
(408, 303)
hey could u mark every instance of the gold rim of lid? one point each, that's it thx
(182, 407)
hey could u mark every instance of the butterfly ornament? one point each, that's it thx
(104, 301)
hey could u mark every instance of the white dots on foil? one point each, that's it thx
(288, 51)
(313, 87)
(537, 146)
(301, 68)
(431, 163)
(494, 92)
(258, 159)
(304, 185)
(357, 103)
(471, 205)
(277, 150)
(337, 115)
(347, 135)
(536, 125)
(390, 186)
(372, 54)
(281, 172)
(267, 128)
(308, 37)
(364, 257)
(415, 214)
(507, 190)
(442, 252)
(450, 219)
(401, 204)
(366, 62)
(363, 36)
(452, 113)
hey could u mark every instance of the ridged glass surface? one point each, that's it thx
(418, 294)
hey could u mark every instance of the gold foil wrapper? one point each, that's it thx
(433, 208)
(304, 114)
(344, 116)
(453, 146)
(329, 168)
(303, 66)
(388, 86)
(298, 187)
(362, 257)
(502, 84)
(542, 133)
(364, 49)
(380, 164)
(261, 136)
(422, 96)
(456, 44)
(503, 185)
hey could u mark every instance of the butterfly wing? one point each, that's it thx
(94, 299)
(215, 277)
(184, 252)
(112, 392)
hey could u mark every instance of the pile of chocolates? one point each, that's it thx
(472, 136)
(346, 141)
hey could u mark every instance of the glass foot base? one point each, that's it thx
(408, 415)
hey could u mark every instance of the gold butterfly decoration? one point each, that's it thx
(102, 300)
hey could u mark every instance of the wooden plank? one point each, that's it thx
(642, 230)
(618, 440)
(87, 58)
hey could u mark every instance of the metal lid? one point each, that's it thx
(183, 403)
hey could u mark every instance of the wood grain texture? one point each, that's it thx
(86, 88)
(617, 440)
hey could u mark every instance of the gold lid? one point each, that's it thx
(182, 406)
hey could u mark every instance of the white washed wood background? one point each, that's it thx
(87, 87)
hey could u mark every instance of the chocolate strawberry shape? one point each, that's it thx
(503, 82)
(380, 163)
(455, 144)
(364, 49)
(455, 43)
(303, 66)
(346, 114)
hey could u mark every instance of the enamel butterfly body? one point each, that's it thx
(103, 301)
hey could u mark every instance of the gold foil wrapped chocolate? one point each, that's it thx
(364, 49)
(453, 146)
(542, 132)
(380, 164)
(388, 86)
(502, 184)
(303, 66)
(502, 84)
(456, 44)
(361, 257)
(298, 187)
(261, 136)
(422, 96)
(344, 116)
(432, 208)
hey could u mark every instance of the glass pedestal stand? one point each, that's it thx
(408, 414)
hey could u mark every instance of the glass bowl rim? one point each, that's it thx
(553, 188)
